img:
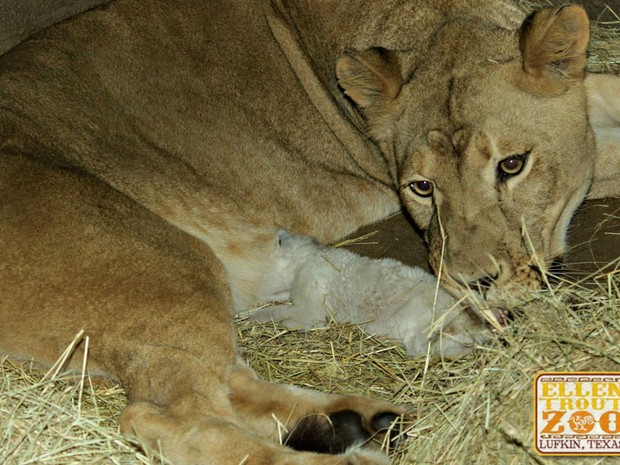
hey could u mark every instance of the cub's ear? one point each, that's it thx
(604, 112)
(553, 44)
(369, 76)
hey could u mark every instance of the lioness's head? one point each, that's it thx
(491, 139)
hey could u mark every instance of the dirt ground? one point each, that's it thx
(594, 239)
(604, 11)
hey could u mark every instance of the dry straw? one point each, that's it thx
(472, 410)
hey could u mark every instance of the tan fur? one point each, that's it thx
(501, 93)
(150, 150)
(23, 18)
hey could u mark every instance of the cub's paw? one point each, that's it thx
(289, 315)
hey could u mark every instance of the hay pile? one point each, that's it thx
(59, 421)
(476, 409)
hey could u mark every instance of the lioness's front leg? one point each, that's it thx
(210, 441)
(156, 305)
(294, 408)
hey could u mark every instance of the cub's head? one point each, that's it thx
(489, 134)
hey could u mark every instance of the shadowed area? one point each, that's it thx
(593, 243)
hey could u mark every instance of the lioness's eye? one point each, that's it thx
(422, 188)
(511, 166)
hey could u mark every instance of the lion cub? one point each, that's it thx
(383, 296)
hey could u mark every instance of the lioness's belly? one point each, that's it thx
(174, 105)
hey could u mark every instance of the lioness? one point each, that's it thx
(151, 150)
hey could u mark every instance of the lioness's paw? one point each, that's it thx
(204, 442)
(366, 457)
(354, 456)
(343, 429)
(139, 419)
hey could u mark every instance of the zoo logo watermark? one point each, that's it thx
(577, 413)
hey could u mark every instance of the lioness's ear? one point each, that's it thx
(554, 41)
(369, 76)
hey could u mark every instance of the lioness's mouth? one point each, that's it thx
(497, 289)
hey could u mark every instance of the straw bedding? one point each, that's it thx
(475, 409)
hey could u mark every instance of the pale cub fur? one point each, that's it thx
(384, 297)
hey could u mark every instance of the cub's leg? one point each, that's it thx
(295, 317)
(156, 306)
